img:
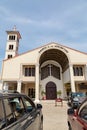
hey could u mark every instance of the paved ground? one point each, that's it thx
(55, 117)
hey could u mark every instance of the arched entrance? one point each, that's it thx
(51, 90)
(52, 56)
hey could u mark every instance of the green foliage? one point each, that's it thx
(43, 93)
(59, 93)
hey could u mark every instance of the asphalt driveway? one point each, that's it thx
(55, 117)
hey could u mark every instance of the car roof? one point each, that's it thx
(8, 93)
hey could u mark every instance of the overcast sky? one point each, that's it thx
(43, 21)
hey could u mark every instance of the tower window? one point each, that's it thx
(10, 47)
(9, 56)
(12, 37)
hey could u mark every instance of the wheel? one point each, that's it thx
(70, 127)
(41, 126)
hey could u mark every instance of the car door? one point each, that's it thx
(82, 117)
(33, 112)
(2, 115)
(16, 115)
(78, 118)
(72, 122)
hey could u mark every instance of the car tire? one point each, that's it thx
(70, 127)
(41, 126)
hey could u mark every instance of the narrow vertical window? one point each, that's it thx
(29, 71)
(9, 56)
(33, 71)
(12, 37)
(80, 71)
(10, 47)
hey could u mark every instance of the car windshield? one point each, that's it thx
(78, 94)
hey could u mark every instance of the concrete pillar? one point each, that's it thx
(86, 72)
(5, 87)
(19, 86)
(72, 78)
(1, 85)
(37, 83)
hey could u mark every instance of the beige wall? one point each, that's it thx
(77, 56)
(12, 67)
(66, 76)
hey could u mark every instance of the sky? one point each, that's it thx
(43, 21)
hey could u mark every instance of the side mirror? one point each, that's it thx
(39, 106)
(70, 111)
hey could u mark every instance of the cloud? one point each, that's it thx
(40, 24)
(11, 16)
(4, 11)
(18, 19)
(60, 20)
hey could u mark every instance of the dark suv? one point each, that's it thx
(19, 112)
(76, 98)
(77, 118)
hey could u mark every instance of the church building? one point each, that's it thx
(44, 71)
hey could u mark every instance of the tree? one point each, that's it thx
(43, 93)
(59, 93)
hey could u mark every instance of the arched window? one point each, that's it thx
(28, 70)
(78, 70)
(50, 70)
(9, 56)
(11, 47)
(12, 37)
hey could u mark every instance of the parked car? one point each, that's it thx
(77, 118)
(19, 112)
(76, 98)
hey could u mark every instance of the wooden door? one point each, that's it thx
(51, 91)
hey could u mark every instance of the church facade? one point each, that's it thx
(44, 71)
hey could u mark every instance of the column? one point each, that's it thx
(5, 87)
(86, 72)
(1, 85)
(72, 78)
(37, 84)
(19, 86)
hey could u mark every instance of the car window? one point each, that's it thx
(5, 113)
(2, 116)
(29, 104)
(1, 110)
(17, 107)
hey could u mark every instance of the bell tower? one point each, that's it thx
(12, 46)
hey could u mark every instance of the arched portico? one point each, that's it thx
(56, 55)
(50, 70)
